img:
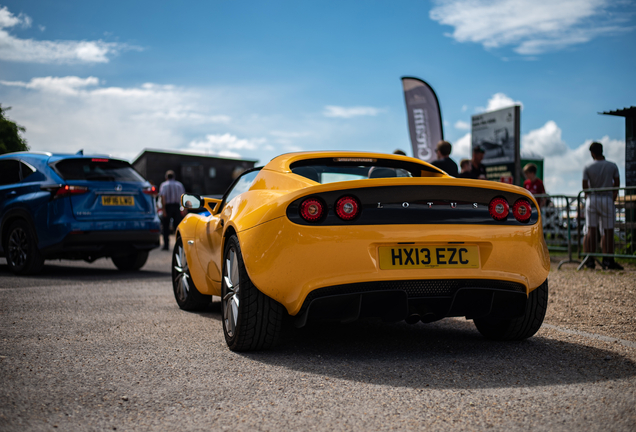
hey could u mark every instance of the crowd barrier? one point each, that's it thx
(560, 222)
(624, 224)
(564, 224)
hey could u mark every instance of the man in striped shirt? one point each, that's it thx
(170, 192)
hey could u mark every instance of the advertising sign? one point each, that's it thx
(425, 119)
(498, 133)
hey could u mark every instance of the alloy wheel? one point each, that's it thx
(18, 247)
(231, 296)
(180, 274)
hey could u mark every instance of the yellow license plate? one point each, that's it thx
(428, 256)
(118, 200)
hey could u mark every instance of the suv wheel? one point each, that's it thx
(23, 255)
(132, 261)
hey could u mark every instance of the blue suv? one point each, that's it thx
(55, 206)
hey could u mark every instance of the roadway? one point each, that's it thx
(86, 347)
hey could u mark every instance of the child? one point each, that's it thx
(533, 184)
(464, 167)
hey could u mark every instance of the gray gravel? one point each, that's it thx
(85, 347)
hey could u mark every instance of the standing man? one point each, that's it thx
(443, 161)
(170, 192)
(477, 169)
(599, 206)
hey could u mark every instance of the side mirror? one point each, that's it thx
(196, 202)
(191, 201)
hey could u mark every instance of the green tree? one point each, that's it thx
(10, 139)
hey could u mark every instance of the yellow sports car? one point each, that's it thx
(339, 236)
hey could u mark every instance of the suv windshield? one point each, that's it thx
(330, 170)
(97, 169)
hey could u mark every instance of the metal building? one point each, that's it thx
(630, 142)
(200, 174)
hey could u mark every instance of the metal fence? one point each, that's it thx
(624, 223)
(564, 224)
(560, 222)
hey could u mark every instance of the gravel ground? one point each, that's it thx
(85, 347)
(595, 301)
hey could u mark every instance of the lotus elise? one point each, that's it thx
(339, 236)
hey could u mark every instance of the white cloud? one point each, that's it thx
(498, 101)
(64, 114)
(32, 51)
(462, 125)
(7, 19)
(545, 141)
(462, 148)
(226, 145)
(531, 26)
(563, 166)
(348, 112)
(66, 85)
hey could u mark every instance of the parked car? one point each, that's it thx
(59, 206)
(339, 236)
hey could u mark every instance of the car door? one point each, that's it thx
(209, 245)
(9, 183)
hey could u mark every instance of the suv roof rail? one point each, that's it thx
(30, 152)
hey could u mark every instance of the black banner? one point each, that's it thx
(425, 118)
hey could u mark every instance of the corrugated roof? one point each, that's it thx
(186, 153)
(625, 112)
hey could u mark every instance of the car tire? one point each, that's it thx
(131, 262)
(251, 320)
(21, 249)
(185, 292)
(521, 327)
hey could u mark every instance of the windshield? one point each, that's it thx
(330, 170)
(97, 169)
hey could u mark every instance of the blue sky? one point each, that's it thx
(256, 79)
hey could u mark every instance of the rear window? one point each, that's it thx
(97, 169)
(330, 170)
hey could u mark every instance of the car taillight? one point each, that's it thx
(499, 208)
(312, 210)
(522, 210)
(67, 190)
(150, 190)
(347, 208)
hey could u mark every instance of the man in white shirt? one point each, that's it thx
(170, 192)
(599, 206)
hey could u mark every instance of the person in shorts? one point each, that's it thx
(599, 206)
